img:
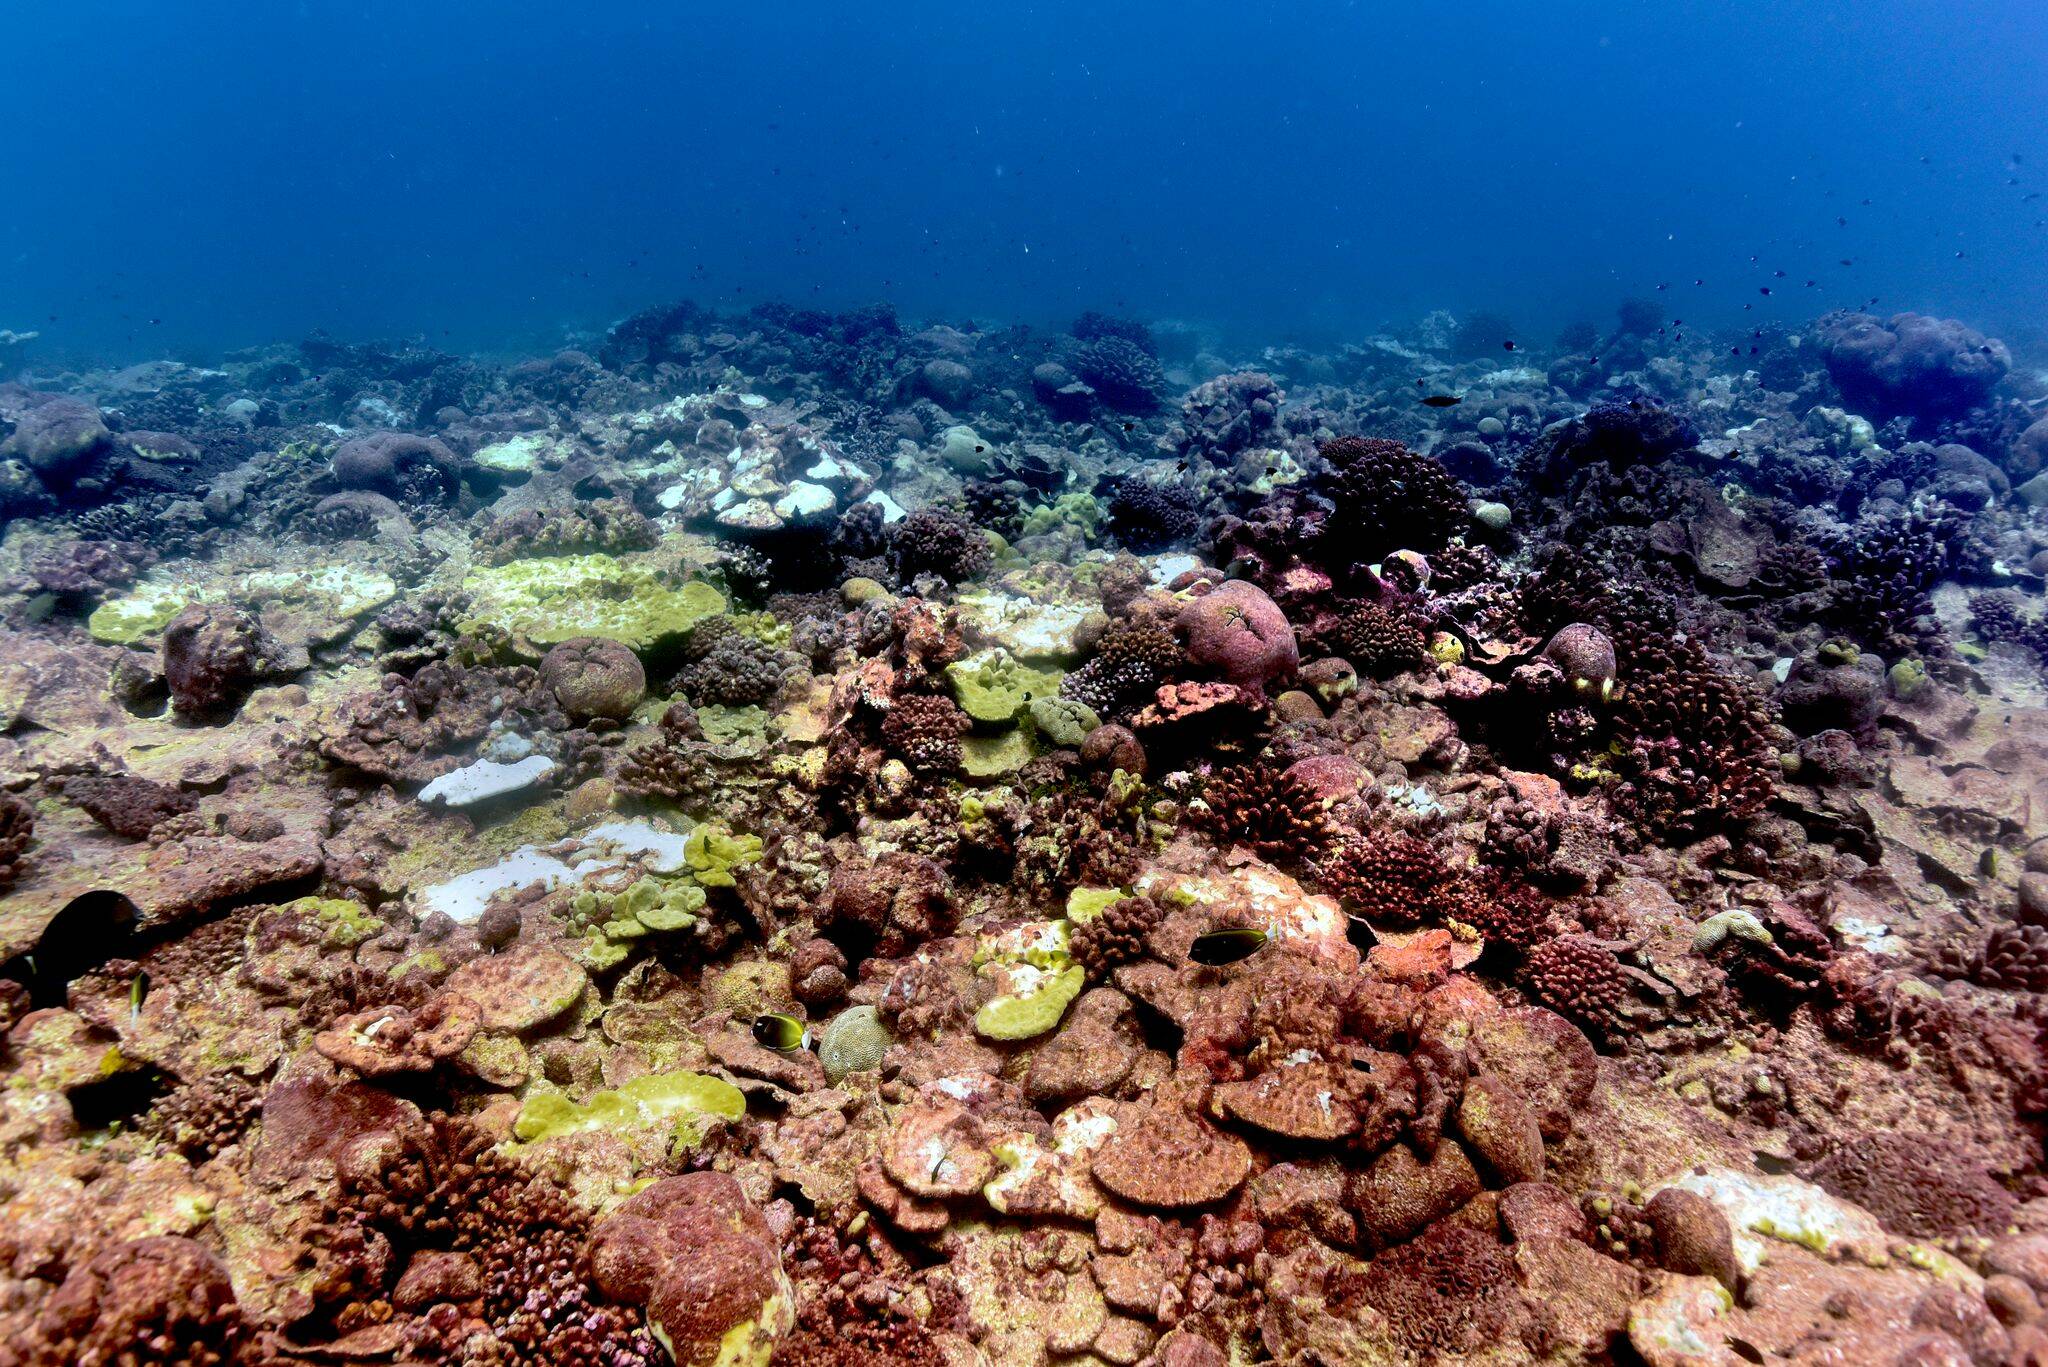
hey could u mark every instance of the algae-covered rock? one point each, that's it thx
(745, 727)
(334, 593)
(515, 455)
(546, 601)
(680, 1105)
(1038, 1179)
(993, 688)
(343, 924)
(525, 986)
(993, 756)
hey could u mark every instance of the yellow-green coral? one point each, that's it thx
(992, 687)
(1034, 976)
(712, 853)
(685, 1103)
(552, 598)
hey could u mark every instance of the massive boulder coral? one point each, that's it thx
(1235, 630)
(412, 468)
(213, 655)
(1911, 365)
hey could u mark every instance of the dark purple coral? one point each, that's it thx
(1388, 498)
(1148, 515)
(1619, 433)
(1378, 640)
(938, 541)
(1135, 655)
(410, 468)
(1883, 571)
(1124, 375)
(17, 833)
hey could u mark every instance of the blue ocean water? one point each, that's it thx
(184, 177)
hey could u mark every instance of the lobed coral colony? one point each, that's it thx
(788, 838)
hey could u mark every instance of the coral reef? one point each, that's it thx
(807, 837)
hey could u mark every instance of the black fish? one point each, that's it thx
(1507, 346)
(1221, 947)
(783, 1034)
(1442, 401)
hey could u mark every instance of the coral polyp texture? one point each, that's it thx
(801, 838)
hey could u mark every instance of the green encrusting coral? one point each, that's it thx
(550, 599)
(686, 1103)
(612, 918)
(993, 688)
(712, 853)
(1034, 976)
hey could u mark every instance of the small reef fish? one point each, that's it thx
(1221, 947)
(1442, 401)
(784, 1034)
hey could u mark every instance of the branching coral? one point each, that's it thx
(924, 730)
(1505, 910)
(1136, 654)
(1389, 498)
(727, 667)
(938, 541)
(1393, 879)
(202, 1117)
(1701, 751)
(1115, 935)
(456, 1194)
(1378, 640)
(1148, 515)
(1576, 976)
(1123, 374)
(1266, 809)
(17, 833)
(1882, 572)
(2012, 957)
